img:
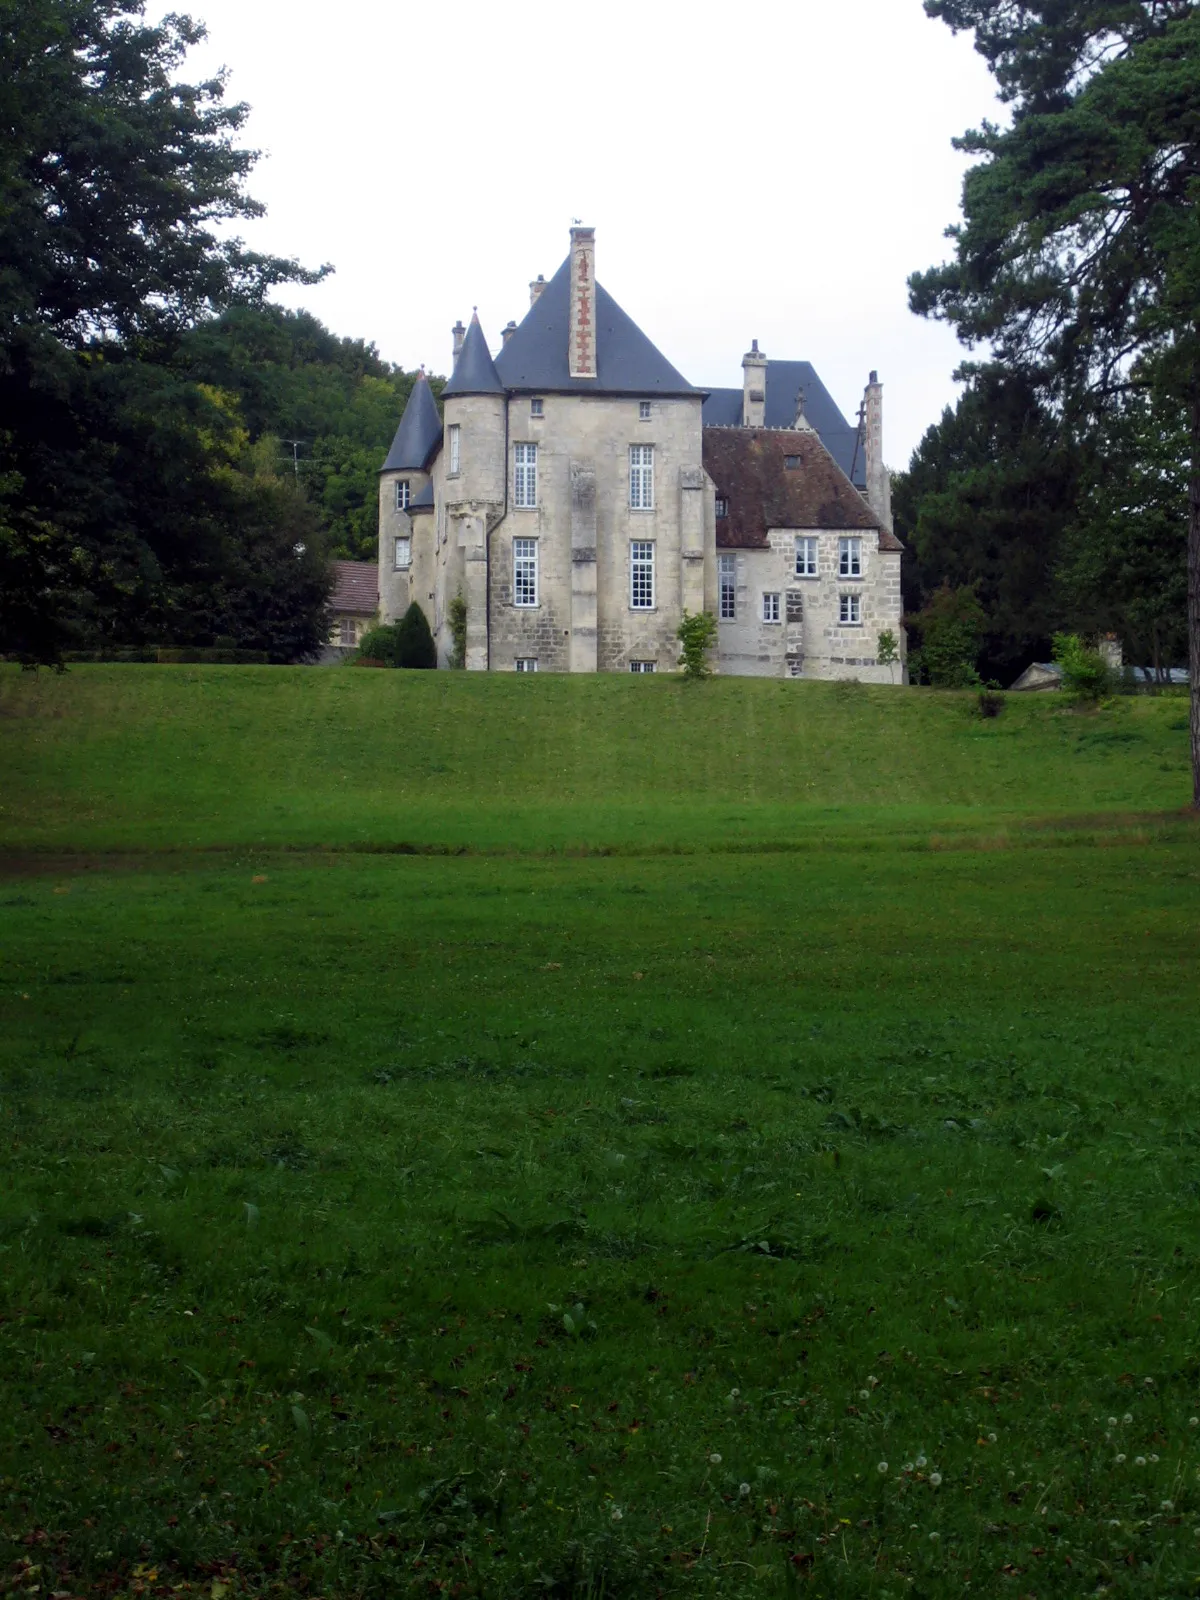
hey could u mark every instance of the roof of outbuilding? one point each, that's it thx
(474, 372)
(750, 469)
(535, 357)
(355, 587)
(419, 433)
(785, 379)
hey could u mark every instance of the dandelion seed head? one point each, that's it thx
(935, 1479)
(1112, 1422)
(882, 1469)
(907, 1467)
(991, 1438)
(743, 1489)
(1168, 1505)
(1149, 1382)
(715, 1458)
(921, 1461)
(864, 1394)
(935, 1536)
(1153, 1458)
(1194, 1422)
(1139, 1461)
(1127, 1418)
(617, 1513)
(1120, 1460)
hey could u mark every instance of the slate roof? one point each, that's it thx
(355, 588)
(422, 500)
(535, 357)
(419, 433)
(749, 467)
(785, 379)
(474, 372)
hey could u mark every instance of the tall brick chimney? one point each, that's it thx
(535, 290)
(879, 479)
(581, 351)
(754, 387)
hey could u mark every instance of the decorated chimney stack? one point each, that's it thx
(754, 387)
(879, 479)
(581, 354)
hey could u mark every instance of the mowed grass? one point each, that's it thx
(171, 757)
(818, 1219)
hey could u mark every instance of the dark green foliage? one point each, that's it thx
(414, 642)
(697, 634)
(984, 502)
(379, 644)
(1078, 258)
(458, 630)
(948, 630)
(129, 506)
(990, 704)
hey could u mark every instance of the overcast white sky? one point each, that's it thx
(772, 170)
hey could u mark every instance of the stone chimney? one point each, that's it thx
(507, 331)
(535, 290)
(803, 425)
(879, 479)
(581, 350)
(459, 333)
(754, 387)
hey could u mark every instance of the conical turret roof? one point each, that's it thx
(474, 372)
(419, 433)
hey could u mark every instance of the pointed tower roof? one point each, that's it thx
(535, 357)
(419, 433)
(474, 371)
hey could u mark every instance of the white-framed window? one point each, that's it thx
(722, 507)
(348, 632)
(403, 552)
(403, 494)
(537, 407)
(454, 445)
(641, 575)
(643, 666)
(525, 572)
(525, 477)
(727, 588)
(643, 411)
(850, 610)
(849, 558)
(806, 556)
(641, 477)
(771, 608)
(526, 664)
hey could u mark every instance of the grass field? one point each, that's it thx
(750, 1145)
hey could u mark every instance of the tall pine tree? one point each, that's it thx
(1078, 257)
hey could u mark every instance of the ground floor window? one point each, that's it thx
(727, 580)
(850, 610)
(526, 663)
(771, 611)
(643, 666)
(795, 669)
(348, 632)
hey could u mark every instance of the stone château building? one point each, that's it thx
(581, 495)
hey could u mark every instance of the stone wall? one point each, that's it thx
(809, 640)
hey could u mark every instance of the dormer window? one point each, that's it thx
(792, 463)
(537, 407)
(644, 410)
(403, 495)
(722, 506)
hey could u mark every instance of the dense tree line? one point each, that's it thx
(146, 386)
(1077, 268)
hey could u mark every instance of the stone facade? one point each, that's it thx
(565, 494)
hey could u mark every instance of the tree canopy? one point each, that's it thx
(1077, 261)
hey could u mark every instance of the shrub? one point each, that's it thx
(697, 634)
(991, 704)
(458, 630)
(378, 645)
(414, 642)
(887, 650)
(1086, 675)
(951, 624)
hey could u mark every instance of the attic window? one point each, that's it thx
(792, 463)
(644, 410)
(537, 408)
(722, 506)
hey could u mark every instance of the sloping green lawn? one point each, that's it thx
(696, 1219)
